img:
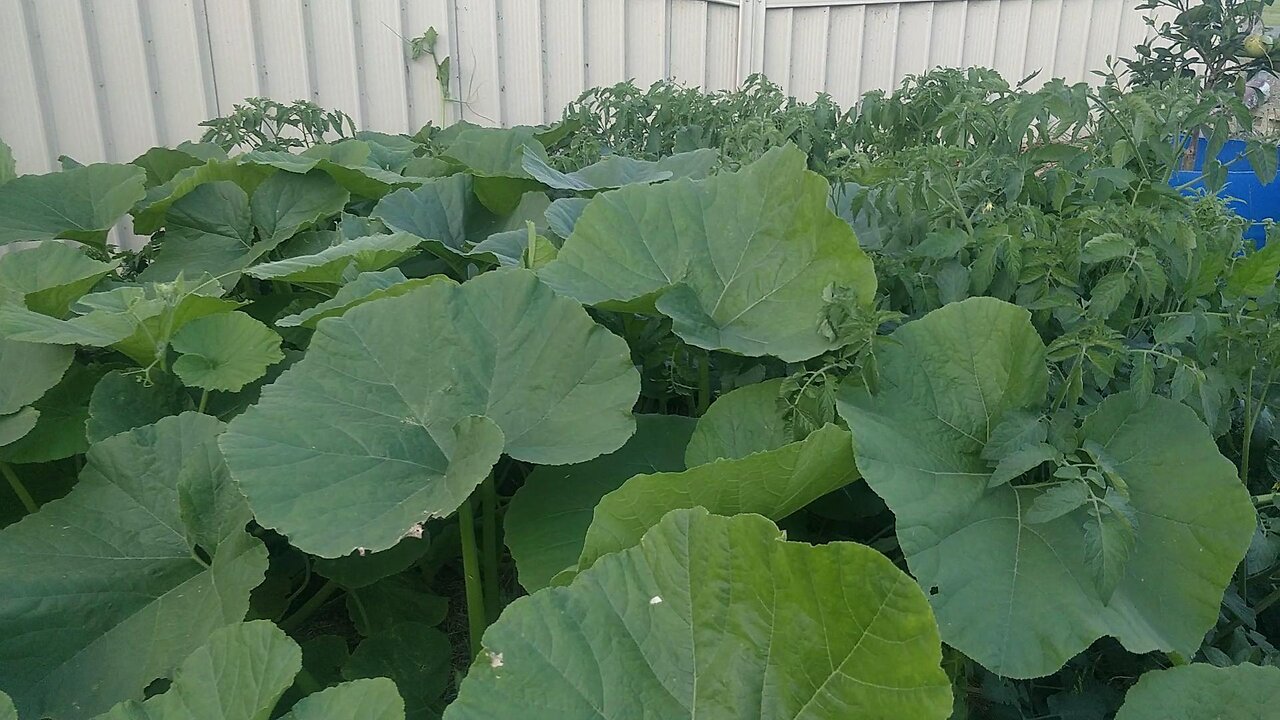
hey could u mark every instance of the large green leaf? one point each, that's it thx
(385, 424)
(741, 422)
(207, 230)
(224, 352)
(375, 699)
(348, 162)
(137, 320)
(15, 426)
(367, 287)
(547, 520)
(124, 401)
(286, 203)
(615, 171)
(394, 600)
(239, 674)
(359, 570)
(49, 277)
(7, 710)
(341, 263)
(415, 656)
(59, 431)
(716, 617)
(108, 573)
(79, 204)
(28, 370)
(495, 158)
(738, 261)
(1204, 692)
(948, 380)
(149, 215)
(774, 484)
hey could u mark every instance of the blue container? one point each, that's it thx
(1249, 198)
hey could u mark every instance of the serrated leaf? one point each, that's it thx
(224, 352)
(107, 572)
(947, 379)
(711, 616)
(400, 427)
(209, 230)
(738, 261)
(1204, 692)
(124, 401)
(1255, 274)
(1056, 501)
(1104, 247)
(1022, 461)
(1109, 539)
(615, 171)
(547, 520)
(944, 243)
(80, 204)
(1108, 293)
(1017, 430)
(1174, 329)
(739, 423)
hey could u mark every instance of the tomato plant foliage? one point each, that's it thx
(687, 406)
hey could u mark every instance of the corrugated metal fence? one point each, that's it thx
(106, 79)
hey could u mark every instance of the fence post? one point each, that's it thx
(750, 38)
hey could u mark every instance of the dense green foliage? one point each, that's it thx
(690, 405)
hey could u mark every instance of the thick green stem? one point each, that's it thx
(1260, 500)
(471, 574)
(18, 488)
(309, 608)
(204, 400)
(704, 384)
(489, 543)
(1249, 419)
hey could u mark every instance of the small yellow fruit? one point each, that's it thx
(1255, 46)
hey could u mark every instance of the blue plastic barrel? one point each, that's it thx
(1249, 198)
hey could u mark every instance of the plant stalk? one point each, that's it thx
(19, 489)
(204, 400)
(489, 544)
(471, 575)
(309, 608)
(1249, 417)
(704, 384)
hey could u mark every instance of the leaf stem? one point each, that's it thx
(309, 608)
(1247, 441)
(471, 575)
(704, 383)
(18, 488)
(489, 543)
(204, 400)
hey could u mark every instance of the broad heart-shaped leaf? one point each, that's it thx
(239, 674)
(494, 157)
(384, 424)
(59, 430)
(80, 204)
(347, 162)
(615, 171)
(394, 600)
(137, 320)
(738, 261)
(149, 215)
(224, 352)
(947, 380)
(562, 215)
(207, 230)
(774, 484)
(375, 699)
(285, 203)
(7, 710)
(716, 617)
(15, 426)
(1204, 692)
(547, 520)
(367, 287)
(28, 370)
(336, 264)
(741, 422)
(50, 276)
(356, 570)
(415, 656)
(107, 572)
(124, 401)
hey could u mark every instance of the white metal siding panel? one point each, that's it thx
(564, 55)
(722, 47)
(106, 80)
